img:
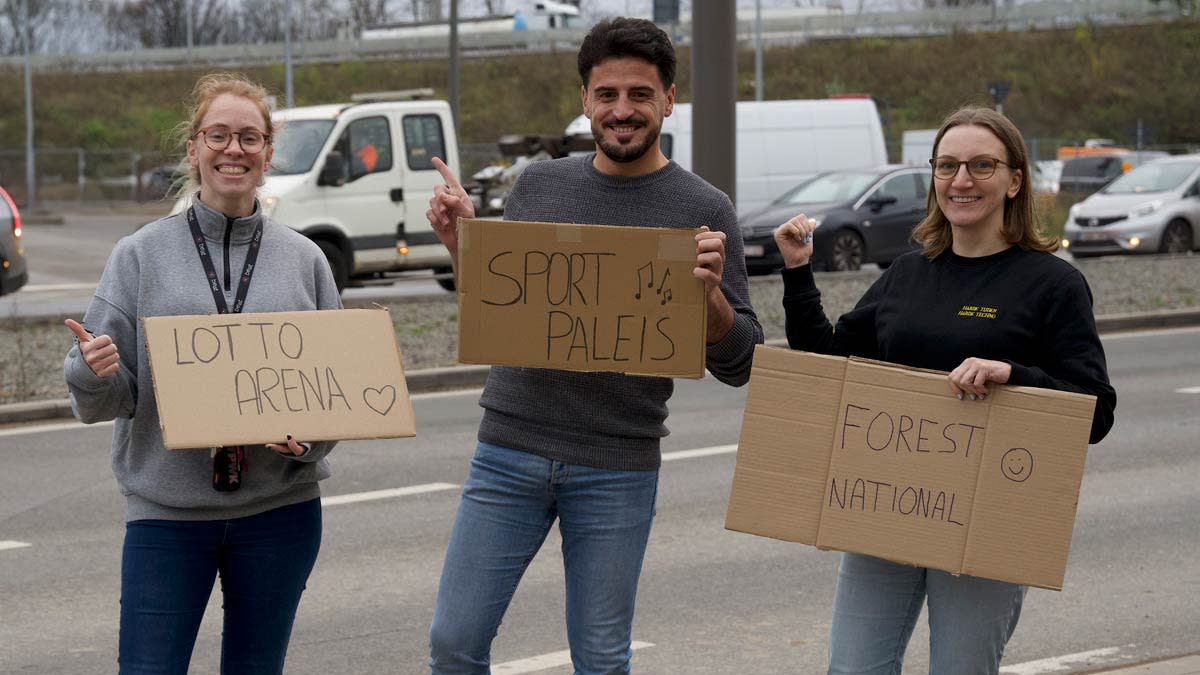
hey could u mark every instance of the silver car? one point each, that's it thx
(1154, 208)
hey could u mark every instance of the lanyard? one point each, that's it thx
(229, 462)
(214, 284)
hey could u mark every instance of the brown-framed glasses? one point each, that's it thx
(980, 168)
(252, 141)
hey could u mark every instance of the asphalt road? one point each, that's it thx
(65, 262)
(711, 601)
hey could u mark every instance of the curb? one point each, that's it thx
(447, 378)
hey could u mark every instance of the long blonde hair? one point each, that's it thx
(1020, 224)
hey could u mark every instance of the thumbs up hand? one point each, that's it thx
(99, 351)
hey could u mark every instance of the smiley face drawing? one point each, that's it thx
(1017, 465)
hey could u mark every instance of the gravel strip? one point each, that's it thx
(31, 351)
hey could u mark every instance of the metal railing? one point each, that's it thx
(782, 30)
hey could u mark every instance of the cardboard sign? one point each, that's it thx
(877, 459)
(580, 297)
(234, 379)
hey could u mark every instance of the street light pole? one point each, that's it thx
(30, 181)
(287, 54)
(454, 62)
(187, 27)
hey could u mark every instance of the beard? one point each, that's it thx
(629, 152)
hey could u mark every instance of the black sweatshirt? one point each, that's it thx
(1028, 308)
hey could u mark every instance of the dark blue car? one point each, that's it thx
(865, 216)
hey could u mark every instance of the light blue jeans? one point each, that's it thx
(877, 604)
(509, 502)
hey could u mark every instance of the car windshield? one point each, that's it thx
(1158, 177)
(297, 146)
(831, 187)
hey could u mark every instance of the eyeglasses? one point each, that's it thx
(980, 168)
(252, 141)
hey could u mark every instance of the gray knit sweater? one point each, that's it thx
(609, 420)
(157, 272)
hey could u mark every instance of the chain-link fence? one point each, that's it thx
(79, 175)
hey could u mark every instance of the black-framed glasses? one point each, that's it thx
(252, 141)
(982, 167)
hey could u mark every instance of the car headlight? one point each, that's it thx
(1145, 209)
(269, 204)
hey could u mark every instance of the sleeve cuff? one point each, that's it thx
(741, 336)
(798, 280)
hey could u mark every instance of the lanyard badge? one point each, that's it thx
(229, 462)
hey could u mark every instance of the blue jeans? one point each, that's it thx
(509, 502)
(877, 604)
(167, 573)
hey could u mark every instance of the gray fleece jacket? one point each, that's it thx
(157, 272)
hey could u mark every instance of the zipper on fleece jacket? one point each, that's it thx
(228, 235)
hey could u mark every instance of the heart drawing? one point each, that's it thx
(380, 400)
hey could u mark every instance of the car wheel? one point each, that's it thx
(847, 251)
(337, 262)
(1177, 238)
(445, 282)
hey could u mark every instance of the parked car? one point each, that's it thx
(12, 255)
(1154, 208)
(1046, 175)
(864, 215)
(1085, 175)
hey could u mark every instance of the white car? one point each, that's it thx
(1154, 208)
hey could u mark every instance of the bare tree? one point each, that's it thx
(163, 23)
(39, 12)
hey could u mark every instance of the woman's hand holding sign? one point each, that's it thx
(794, 239)
(449, 203)
(969, 380)
(292, 447)
(99, 352)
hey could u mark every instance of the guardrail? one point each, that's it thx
(1048, 14)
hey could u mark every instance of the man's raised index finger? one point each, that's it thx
(447, 174)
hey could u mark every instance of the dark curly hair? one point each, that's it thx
(620, 37)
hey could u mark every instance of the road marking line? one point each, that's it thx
(545, 661)
(59, 287)
(10, 544)
(1188, 390)
(385, 494)
(62, 426)
(1062, 664)
(447, 394)
(699, 452)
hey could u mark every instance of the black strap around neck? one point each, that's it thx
(214, 284)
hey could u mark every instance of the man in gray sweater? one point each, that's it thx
(584, 447)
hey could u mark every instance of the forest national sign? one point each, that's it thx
(235, 379)
(873, 458)
(580, 297)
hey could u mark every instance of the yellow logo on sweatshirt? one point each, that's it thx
(978, 311)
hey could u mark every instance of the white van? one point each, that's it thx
(782, 143)
(357, 177)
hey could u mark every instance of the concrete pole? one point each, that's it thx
(714, 94)
(758, 78)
